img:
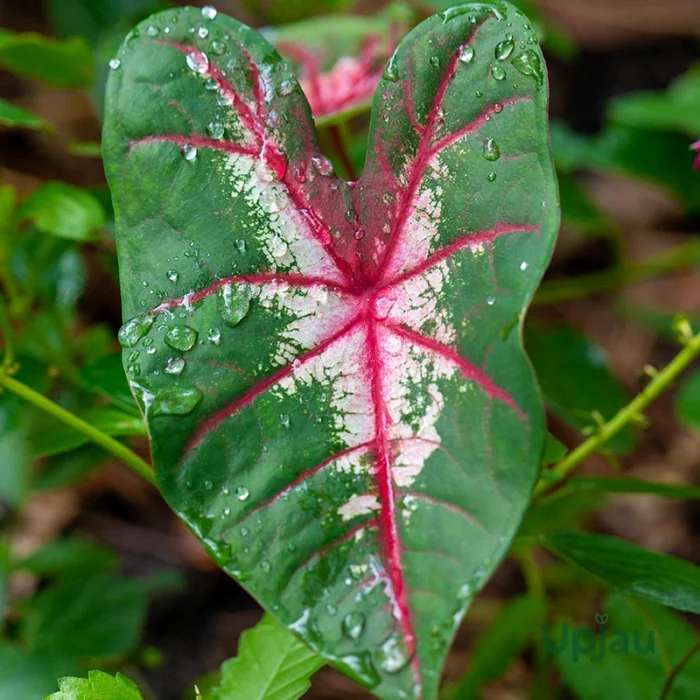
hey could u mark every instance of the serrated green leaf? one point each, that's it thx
(575, 379)
(61, 63)
(97, 686)
(68, 556)
(272, 664)
(630, 569)
(333, 406)
(13, 116)
(64, 211)
(688, 401)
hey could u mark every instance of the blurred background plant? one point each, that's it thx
(96, 572)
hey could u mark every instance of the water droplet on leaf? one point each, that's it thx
(214, 336)
(392, 70)
(286, 87)
(491, 301)
(177, 401)
(175, 365)
(498, 73)
(242, 493)
(218, 47)
(529, 63)
(284, 420)
(115, 63)
(265, 565)
(198, 62)
(353, 625)
(202, 32)
(215, 130)
(392, 655)
(466, 54)
(240, 245)
(209, 11)
(132, 331)
(435, 61)
(491, 177)
(491, 151)
(523, 266)
(233, 303)
(188, 151)
(173, 275)
(505, 49)
(322, 165)
(181, 337)
(152, 30)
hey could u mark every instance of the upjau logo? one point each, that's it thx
(594, 646)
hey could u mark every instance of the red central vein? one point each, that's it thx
(469, 370)
(388, 517)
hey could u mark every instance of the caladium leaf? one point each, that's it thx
(340, 59)
(332, 375)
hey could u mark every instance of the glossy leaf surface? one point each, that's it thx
(333, 404)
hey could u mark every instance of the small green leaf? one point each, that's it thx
(553, 450)
(87, 149)
(625, 485)
(272, 664)
(14, 116)
(515, 627)
(105, 376)
(688, 401)
(60, 63)
(67, 556)
(28, 675)
(97, 686)
(110, 420)
(575, 379)
(64, 211)
(630, 569)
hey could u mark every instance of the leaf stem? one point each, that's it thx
(666, 692)
(630, 273)
(112, 446)
(631, 413)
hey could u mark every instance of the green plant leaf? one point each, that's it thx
(553, 450)
(61, 63)
(105, 376)
(334, 408)
(14, 116)
(68, 468)
(516, 626)
(59, 438)
(68, 556)
(630, 569)
(688, 401)
(575, 379)
(272, 664)
(97, 686)
(285, 11)
(578, 210)
(64, 211)
(633, 654)
(26, 675)
(625, 485)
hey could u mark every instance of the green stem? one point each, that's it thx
(666, 692)
(629, 414)
(7, 337)
(112, 446)
(630, 273)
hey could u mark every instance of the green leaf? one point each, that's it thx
(553, 450)
(272, 664)
(14, 116)
(87, 149)
(575, 379)
(516, 626)
(688, 401)
(334, 408)
(89, 617)
(60, 63)
(97, 686)
(68, 556)
(64, 211)
(106, 377)
(26, 675)
(578, 210)
(626, 485)
(284, 11)
(66, 469)
(630, 569)
(633, 655)
(59, 438)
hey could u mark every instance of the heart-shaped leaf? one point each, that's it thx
(333, 376)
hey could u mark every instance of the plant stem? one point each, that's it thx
(629, 414)
(338, 142)
(666, 692)
(112, 446)
(8, 339)
(584, 285)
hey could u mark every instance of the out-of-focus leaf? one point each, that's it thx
(553, 450)
(674, 109)
(110, 420)
(66, 469)
(284, 11)
(688, 401)
(106, 377)
(89, 617)
(630, 656)
(515, 627)
(578, 210)
(97, 686)
(272, 664)
(87, 149)
(630, 569)
(575, 379)
(553, 514)
(27, 675)
(62, 63)
(625, 485)
(13, 116)
(62, 210)
(658, 321)
(5, 570)
(69, 556)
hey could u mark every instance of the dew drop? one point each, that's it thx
(226, 513)
(392, 70)
(214, 336)
(528, 63)
(215, 130)
(523, 266)
(359, 234)
(181, 337)
(434, 61)
(173, 275)
(498, 108)
(152, 30)
(286, 87)
(491, 151)
(175, 365)
(273, 119)
(466, 54)
(322, 165)
(208, 485)
(270, 201)
(353, 625)
(491, 301)
(114, 63)
(240, 245)
(209, 12)
(189, 152)
(198, 61)
(218, 47)
(210, 84)
(479, 94)
(175, 401)
(233, 303)
(491, 177)
(202, 32)
(151, 351)
(505, 49)
(498, 73)
(265, 565)
(242, 493)
(245, 531)
(392, 655)
(132, 331)
(284, 420)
